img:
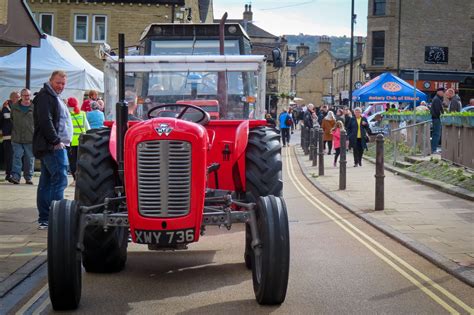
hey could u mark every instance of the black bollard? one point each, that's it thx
(306, 141)
(342, 162)
(321, 153)
(302, 136)
(315, 146)
(311, 144)
(379, 173)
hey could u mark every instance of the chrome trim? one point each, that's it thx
(164, 178)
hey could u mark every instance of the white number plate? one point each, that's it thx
(164, 237)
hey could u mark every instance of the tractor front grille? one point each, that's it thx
(164, 178)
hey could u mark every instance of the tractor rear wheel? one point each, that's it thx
(271, 259)
(263, 164)
(96, 178)
(64, 256)
(263, 172)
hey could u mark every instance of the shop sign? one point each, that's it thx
(291, 58)
(425, 85)
(436, 55)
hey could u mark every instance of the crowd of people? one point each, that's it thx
(47, 127)
(332, 121)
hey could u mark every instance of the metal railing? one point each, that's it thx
(420, 139)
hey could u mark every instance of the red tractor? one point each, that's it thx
(163, 179)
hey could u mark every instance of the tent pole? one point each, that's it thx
(28, 67)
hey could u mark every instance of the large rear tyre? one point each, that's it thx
(271, 259)
(96, 178)
(64, 256)
(263, 172)
(263, 164)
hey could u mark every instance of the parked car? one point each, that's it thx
(375, 123)
(468, 109)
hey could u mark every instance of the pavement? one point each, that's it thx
(339, 264)
(436, 225)
(22, 245)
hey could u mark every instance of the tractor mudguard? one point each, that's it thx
(228, 150)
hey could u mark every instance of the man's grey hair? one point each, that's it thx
(358, 109)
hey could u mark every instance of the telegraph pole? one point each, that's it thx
(352, 54)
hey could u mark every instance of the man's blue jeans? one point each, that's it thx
(23, 152)
(436, 136)
(53, 181)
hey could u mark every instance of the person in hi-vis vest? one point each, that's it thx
(81, 125)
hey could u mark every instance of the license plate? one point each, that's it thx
(164, 237)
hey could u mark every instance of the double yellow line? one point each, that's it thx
(378, 249)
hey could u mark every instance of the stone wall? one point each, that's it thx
(314, 81)
(121, 18)
(445, 23)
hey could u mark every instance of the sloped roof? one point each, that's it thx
(20, 28)
(252, 29)
(302, 62)
(204, 7)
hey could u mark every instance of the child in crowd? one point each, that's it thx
(336, 138)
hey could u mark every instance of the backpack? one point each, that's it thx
(288, 121)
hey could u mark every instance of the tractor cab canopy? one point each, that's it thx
(236, 84)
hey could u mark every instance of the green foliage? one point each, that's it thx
(340, 45)
(458, 114)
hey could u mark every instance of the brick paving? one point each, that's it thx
(441, 223)
(22, 245)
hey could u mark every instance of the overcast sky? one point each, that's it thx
(317, 17)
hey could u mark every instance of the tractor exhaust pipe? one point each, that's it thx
(222, 76)
(121, 108)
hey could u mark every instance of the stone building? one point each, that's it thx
(278, 79)
(436, 38)
(311, 79)
(341, 75)
(86, 24)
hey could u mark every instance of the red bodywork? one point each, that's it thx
(208, 145)
(204, 103)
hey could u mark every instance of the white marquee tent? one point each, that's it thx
(53, 54)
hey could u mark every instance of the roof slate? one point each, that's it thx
(252, 29)
(204, 9)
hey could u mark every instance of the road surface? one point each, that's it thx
(339, 265)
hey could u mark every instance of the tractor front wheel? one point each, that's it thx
(271, 258)
(64, 256)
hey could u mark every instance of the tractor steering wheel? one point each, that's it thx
(197, 115)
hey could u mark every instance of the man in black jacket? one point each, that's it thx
(357, 131)
(308, 116)
(52, 133)
(436, 111)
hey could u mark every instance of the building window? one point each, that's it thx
(378, 48)
(99, 28)
(81, 28)
(46, 23)
(379, 7)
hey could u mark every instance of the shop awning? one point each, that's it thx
(387, 88)
(17, 25)
(432, 75)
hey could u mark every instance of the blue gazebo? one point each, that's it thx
(387, 88)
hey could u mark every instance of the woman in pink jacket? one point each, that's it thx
(336, 139)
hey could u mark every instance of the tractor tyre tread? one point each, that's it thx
(104, 252)
(64, 264)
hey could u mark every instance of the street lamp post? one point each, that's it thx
(353, 17)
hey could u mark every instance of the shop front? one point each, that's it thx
(430, 81)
